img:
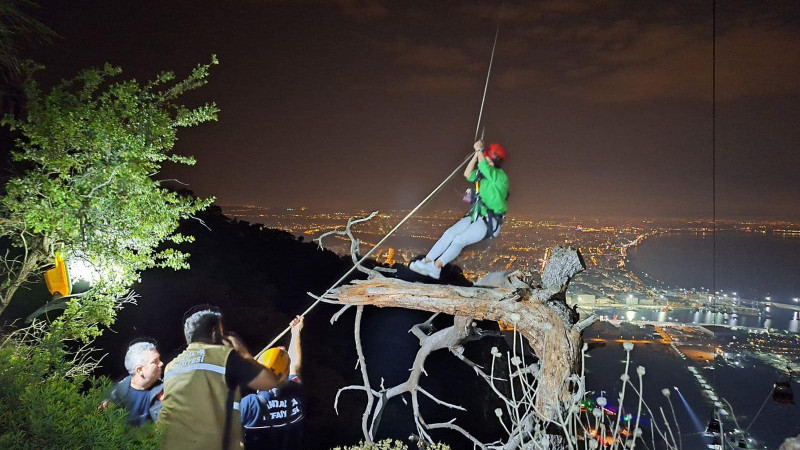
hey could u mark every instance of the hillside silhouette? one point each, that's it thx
(259, 278)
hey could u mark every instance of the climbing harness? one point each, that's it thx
(492, 219)
(403, 221)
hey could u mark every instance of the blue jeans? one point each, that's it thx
(459, 235)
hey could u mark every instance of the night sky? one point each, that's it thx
(605, 106)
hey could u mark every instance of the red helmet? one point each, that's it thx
(496, 153)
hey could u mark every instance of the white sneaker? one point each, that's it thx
(418, 266)
(431, 270)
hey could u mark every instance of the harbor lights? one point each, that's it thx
(795, 299)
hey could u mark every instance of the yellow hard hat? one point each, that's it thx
(276, 360)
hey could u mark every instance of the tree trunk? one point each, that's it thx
(540, 315)
(30, 265)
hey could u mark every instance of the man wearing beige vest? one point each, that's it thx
(202, 386)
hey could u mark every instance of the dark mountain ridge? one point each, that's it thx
(259, 278)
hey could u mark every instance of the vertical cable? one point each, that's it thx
(486, 85)
(714, 146)
(489, 73)
(422, 203)
(714, 180)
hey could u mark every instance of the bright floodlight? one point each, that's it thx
(80, 269)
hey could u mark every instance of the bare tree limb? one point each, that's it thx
(354, 243)
(362, 363)
(201, 221)
(538, 314)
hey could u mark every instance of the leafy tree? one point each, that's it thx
(45, 404)
(89, 151)
(17, 31)
(87, 158)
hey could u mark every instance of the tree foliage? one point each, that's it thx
(17, 29)
(86, 161)
(90, 151)
(18, 33)
(44, 404)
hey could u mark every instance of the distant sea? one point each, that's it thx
(747, 388)
(755, 266)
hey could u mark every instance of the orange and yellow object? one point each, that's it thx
(57, 279)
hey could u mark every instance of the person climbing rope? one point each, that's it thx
(497, 203)
(486, 214)
(274, 419)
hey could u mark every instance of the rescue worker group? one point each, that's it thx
(199, 403)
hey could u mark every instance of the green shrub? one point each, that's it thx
(41, 408)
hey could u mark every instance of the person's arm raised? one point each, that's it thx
(295, 350)
(265, 380)
(478, 146)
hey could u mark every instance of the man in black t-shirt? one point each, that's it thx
(202, 386)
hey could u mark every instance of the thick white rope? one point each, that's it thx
(759, 411)
(486, 85)
(363, 258)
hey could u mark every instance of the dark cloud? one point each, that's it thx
(605, 105)
(436, 84)
(519, 78)
(756, 61)
(432, 57)
(363, 9)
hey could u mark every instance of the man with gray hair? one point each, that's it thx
(141, 391)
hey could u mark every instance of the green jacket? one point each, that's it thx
(197, 401)
(493, 189)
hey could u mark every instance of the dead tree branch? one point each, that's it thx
(538, 311)
(539, 314)
(355, 244)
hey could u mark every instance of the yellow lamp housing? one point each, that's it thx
(504, 326)
(57, 279)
